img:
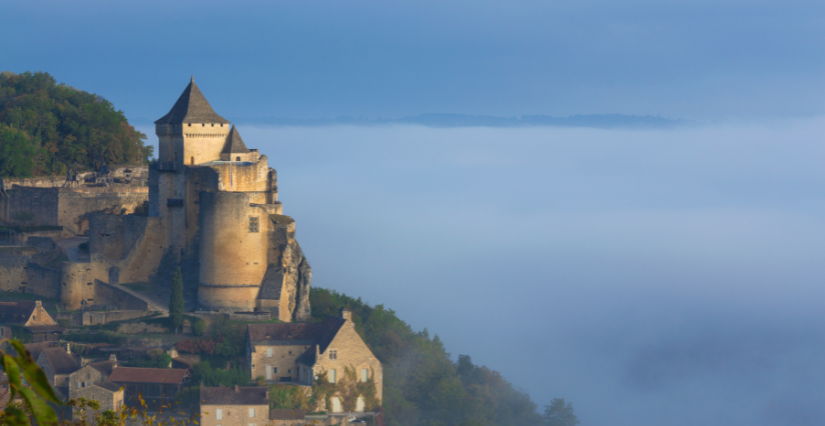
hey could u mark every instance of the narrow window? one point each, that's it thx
(290, 352)
(213, 124)
(365, 374)
(253, 224)
(190, 124)
(219, 414)
(332, 376)
(269, 372)
(192, 160)
(251, 413)
(269, 352)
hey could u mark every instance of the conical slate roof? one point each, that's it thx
(234, 143)
(191, 107)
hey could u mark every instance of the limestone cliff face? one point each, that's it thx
(297, 279)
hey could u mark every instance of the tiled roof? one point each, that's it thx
(234, 143)
(237, 395)
(105, 367)
(36, 348)
(147, 375)
(60, 361)
(191, 107)
(16, 312)
(109, 386)
(296, 333)
(281, 414)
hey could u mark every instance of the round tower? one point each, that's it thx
(233, 251)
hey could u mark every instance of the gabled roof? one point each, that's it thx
(147, 375)
(60, 361)
(16, 312)
(320, 334)
(236, 395)
(191, 107)
(105, 367)
(36, 348)
(234, 143)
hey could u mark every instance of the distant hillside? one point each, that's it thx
(465, 120)
(46, 127)
(422, 386)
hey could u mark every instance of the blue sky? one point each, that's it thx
(706, 60)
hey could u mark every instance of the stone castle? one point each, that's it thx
(208, 203)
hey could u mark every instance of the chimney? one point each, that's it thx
(113, 358)
(346, 314)
(38, 304)
(68, 349)
(237, 389)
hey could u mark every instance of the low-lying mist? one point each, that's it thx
(649, 277)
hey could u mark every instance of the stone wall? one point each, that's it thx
(110, 294)
(43, 281)
(282, 362)
(92, 318)
(140, 327)
(68, 207)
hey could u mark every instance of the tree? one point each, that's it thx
(559, 414)
(176, 300)
(16, 153)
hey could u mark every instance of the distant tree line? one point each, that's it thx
(46, 128)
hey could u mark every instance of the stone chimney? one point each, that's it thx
(38, 304)
(346, 314)
(68, 348)
(113, 358)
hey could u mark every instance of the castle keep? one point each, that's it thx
(211, 203)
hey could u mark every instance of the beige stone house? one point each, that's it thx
(90, 374)
(299, 353)
(234, 406)
(58, 364)
(108, 394)
(32, 317)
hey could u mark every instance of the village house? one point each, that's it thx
(299, 353)
(27, 317)
(153, 384)
(234, 406)
(58, 363)
(109, 395)
(90, 374)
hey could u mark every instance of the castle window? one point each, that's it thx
(253, 224)
(237, 158)
(189, 124)
(333, 355)
(213, 124)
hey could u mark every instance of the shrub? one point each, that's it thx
(198, 327)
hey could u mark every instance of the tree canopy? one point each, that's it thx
(45, 126)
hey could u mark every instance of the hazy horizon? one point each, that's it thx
(656, 276)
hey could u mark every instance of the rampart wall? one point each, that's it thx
(68, 207)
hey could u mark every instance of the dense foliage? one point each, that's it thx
(422, 385)
(45, 126)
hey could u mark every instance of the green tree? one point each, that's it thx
(176, 300)
(559, 414)
(16, 153)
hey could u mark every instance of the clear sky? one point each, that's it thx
(652, 277)
(702, 59)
